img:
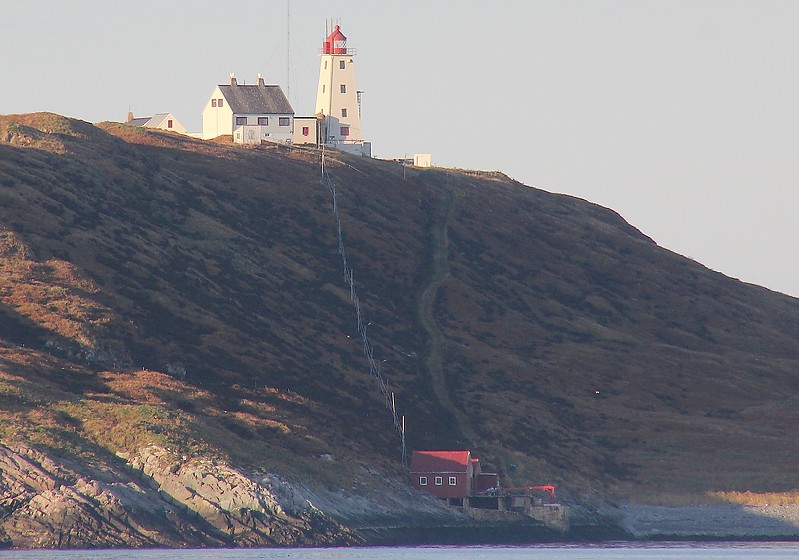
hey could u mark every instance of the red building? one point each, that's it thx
(450, 475)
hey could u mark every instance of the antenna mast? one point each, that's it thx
(288, 49)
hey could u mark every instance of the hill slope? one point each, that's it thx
(162, 291)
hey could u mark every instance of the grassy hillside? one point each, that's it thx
(155, 288)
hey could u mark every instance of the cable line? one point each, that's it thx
(368, 350)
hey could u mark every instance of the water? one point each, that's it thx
(621, 551)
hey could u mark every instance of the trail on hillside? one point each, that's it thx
(436, 342)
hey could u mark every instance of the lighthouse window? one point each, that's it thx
(341, 64)
(343, 88)
(323, 88)
(345, 131)
(344, 112)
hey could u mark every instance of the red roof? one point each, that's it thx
(336, 43)
(440, 461)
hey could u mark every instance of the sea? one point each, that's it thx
(617, 551)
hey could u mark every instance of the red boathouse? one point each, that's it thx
(450, 475)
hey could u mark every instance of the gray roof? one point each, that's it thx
(141, 121)
(156, 120)
(256, 99)
(149, 122)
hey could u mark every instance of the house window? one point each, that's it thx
(439, 481)
(241, 120)
(213, 103)
(343, 112)
(219, 103)
(305, 132)
(345, 131)
(263, 121)
(453, 481)
(422, 481)
(343, 88)
(284, 121)
(341, 64)
(169, 123)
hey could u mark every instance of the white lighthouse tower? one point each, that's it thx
(337, 99)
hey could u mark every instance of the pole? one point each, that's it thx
(288, 49)
(404, 451)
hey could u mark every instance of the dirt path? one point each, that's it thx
(434, 361)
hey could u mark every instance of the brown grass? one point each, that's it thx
(143, 240)
(758, 498)
(52, 294)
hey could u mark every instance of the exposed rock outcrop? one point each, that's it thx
(238, 507)
(163, 500)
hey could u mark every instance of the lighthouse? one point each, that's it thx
(338, 98)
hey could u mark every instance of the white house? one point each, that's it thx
(250, 113)
(162, 121)
(337, 98)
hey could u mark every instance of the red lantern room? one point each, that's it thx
(336, 42)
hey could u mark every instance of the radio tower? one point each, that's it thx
(288, 50)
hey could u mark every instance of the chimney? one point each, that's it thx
(260, 81)
(232, 79)
(130, 116)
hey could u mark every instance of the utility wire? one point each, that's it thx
(368, 351)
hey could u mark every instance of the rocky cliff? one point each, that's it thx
(155, 499)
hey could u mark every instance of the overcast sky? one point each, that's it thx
(679, 114)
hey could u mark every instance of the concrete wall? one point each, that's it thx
(422, 160)
(313, 130)
(253, 133)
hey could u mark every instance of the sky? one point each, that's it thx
(681, 115)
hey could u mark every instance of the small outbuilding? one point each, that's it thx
(306, 130)
(161, 121)
(422, 160)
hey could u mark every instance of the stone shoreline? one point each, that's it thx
(155, 498)
(716, 521)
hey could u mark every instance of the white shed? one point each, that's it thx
(162, 121)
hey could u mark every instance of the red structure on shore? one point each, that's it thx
(456, 476)
(451, 475)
